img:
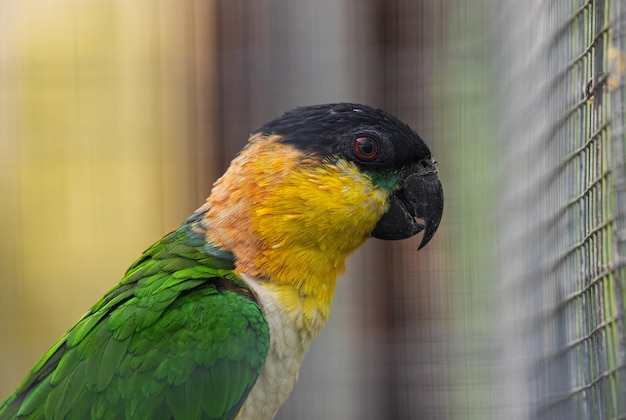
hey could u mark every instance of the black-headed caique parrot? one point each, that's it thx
(213, 321)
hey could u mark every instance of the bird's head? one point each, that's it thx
(313, 184)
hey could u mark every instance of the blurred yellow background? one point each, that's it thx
(103, 148)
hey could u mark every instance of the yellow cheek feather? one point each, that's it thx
(293, 219)
(318, 216)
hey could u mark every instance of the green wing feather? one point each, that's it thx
(181, 336)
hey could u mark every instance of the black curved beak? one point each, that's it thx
(420, 197)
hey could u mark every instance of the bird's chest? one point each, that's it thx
(290, 338)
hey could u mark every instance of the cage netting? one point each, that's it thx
(562, 210)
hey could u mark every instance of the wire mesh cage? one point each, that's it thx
(562, 210)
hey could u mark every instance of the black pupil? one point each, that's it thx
(366, 147)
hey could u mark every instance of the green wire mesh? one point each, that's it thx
(567, 280)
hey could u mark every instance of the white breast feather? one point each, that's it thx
(289, 343)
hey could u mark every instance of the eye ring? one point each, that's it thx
(366, 148)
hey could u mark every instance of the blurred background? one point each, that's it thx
(116, 118)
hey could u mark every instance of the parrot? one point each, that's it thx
(214, 320)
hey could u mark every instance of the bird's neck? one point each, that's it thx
(292, 219)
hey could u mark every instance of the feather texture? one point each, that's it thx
(180, 337)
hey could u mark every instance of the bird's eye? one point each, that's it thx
(366, 148)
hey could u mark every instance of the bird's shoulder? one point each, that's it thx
(168, 338)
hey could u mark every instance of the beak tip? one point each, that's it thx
(428, 235)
